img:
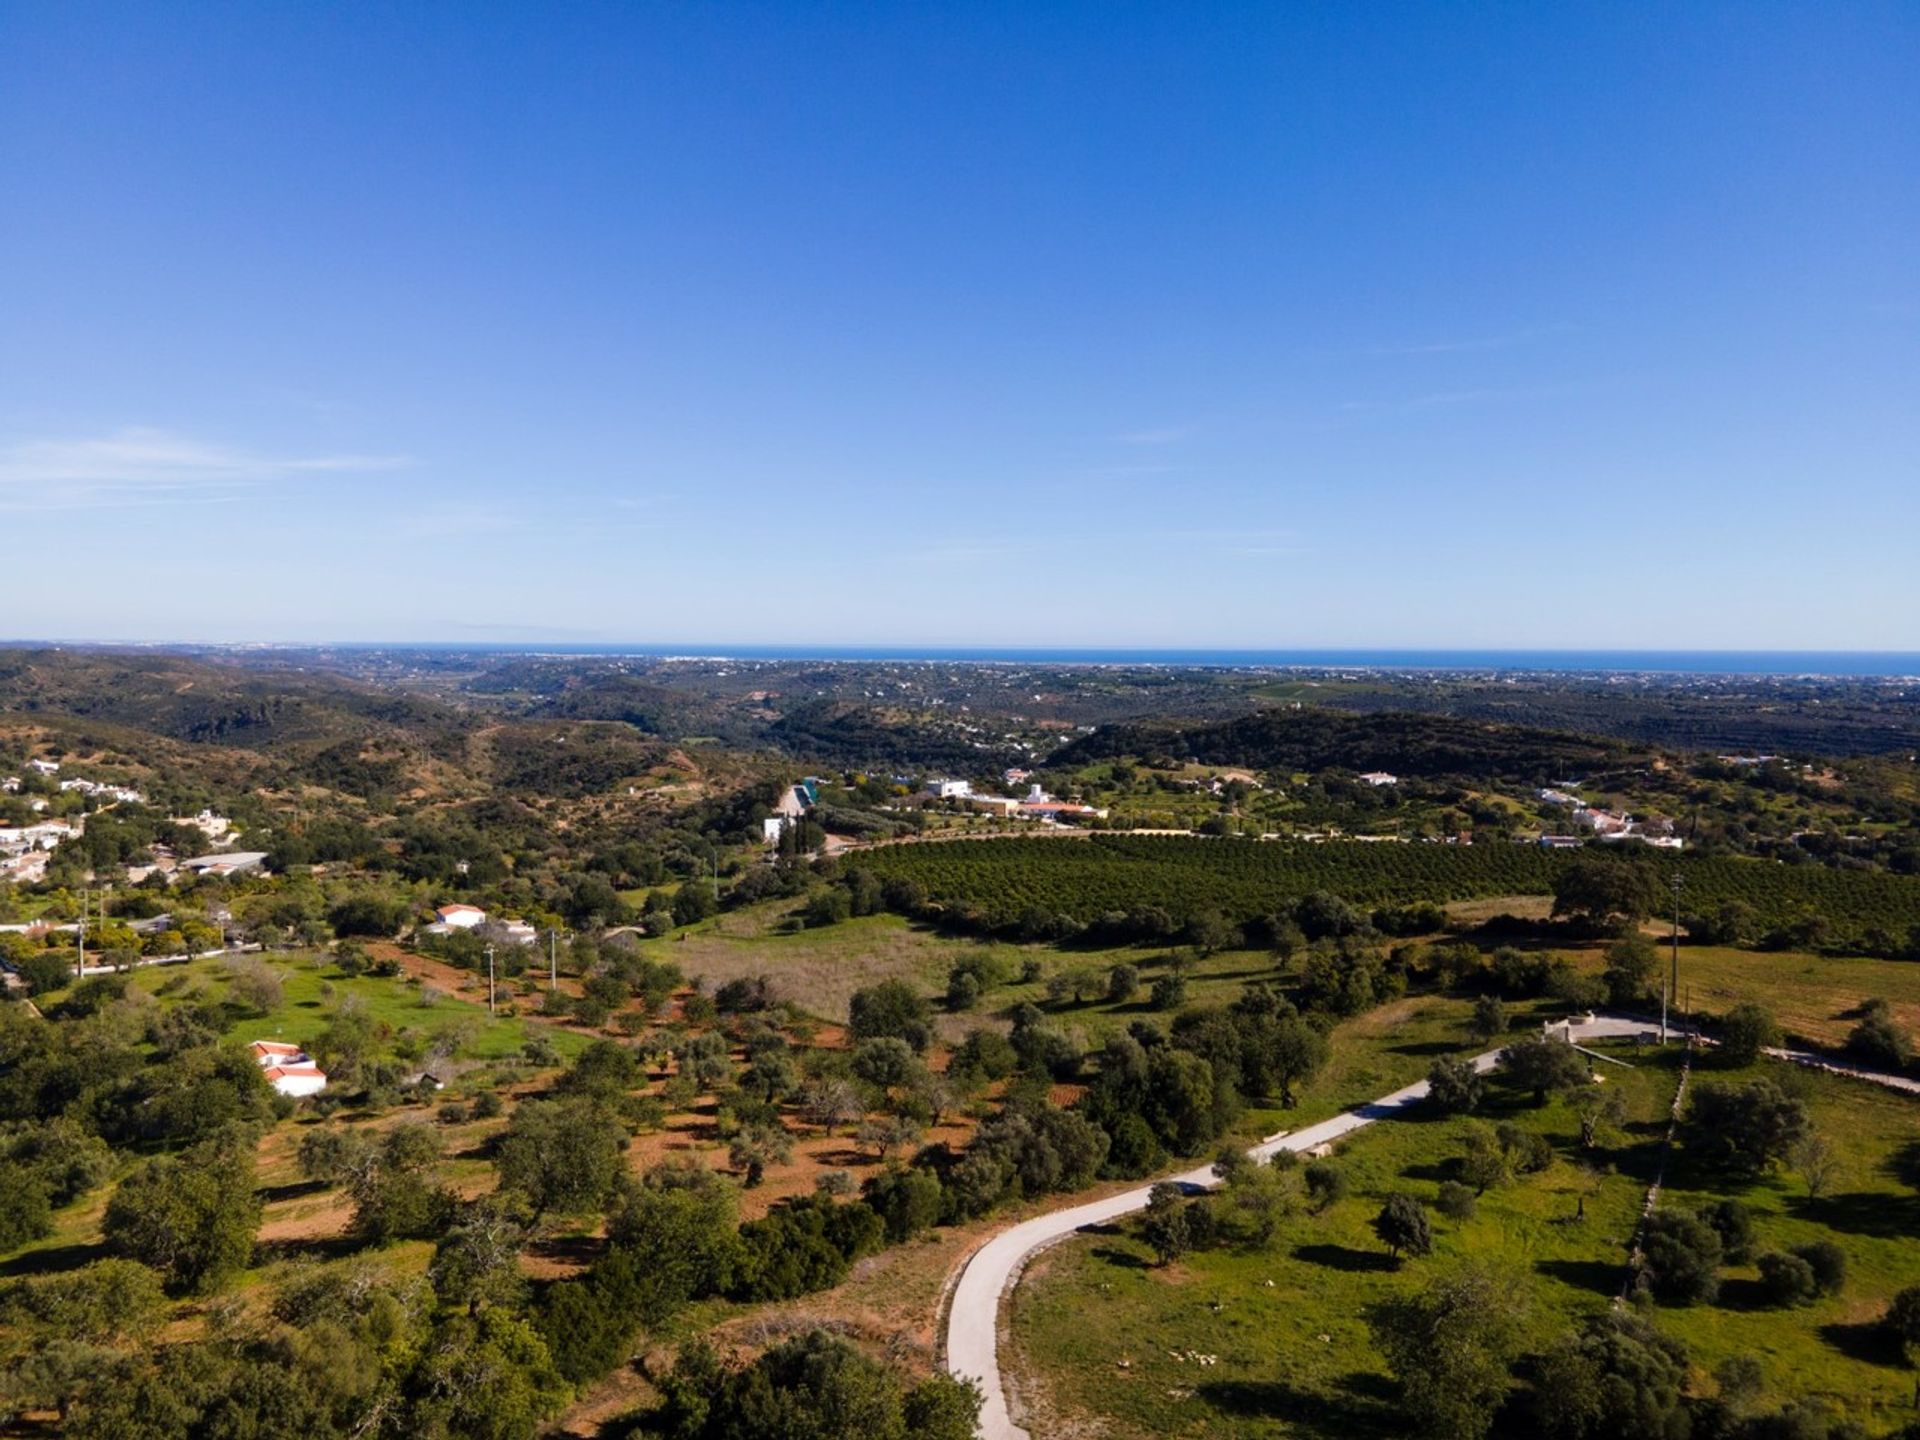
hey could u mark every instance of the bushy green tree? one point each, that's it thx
(1746, 1128)
(191, 1217)
(1545, 1067)
(1617, 1378)
(1454, 1086)
(562, 1155)
(1680, 1257)
(1745, 1031)
(1402, 1225)
(891, 1009)
(1449, 1345)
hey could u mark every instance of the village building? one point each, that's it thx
(460, 916)
(288, 1068)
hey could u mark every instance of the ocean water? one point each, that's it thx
(1831, 663)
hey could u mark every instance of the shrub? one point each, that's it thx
(1745, 1031)
(1455, 1201)
(1733, 1223)
(1680, 1258)
(1787, 1279)
(1828, 1263)
(1326, 1182)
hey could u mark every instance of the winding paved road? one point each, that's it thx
(973, 1317)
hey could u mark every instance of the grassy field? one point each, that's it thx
(1101, 1334)
(1816, 997)
(311, 987)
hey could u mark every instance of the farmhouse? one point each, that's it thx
(288, 1068)
(947, 789)
(1377, 778)
(461, 917)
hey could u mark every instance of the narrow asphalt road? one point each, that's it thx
(973, 1318)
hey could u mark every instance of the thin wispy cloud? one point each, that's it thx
(137, 465)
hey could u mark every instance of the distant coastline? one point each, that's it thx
(1873, 664)
(1813, 664)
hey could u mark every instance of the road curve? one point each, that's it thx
(973, 1316)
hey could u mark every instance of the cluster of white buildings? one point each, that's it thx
(1605, 824)
(463, 918)
(288, 1068)
(24, 848)
(119, 793)
(1038, 804)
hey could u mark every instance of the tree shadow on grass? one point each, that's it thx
(581, 1250)
(53, 1260)
(1744, 1296)
(1346, 1258)
(1864, 1212)
(1362, 1405)
(1869, 1342)
(1434, 1170)
(1904, 1164)
(1423, 1047)
(1124, 1259)
(293, 1190)
(307, 1247)
(1601, 1277)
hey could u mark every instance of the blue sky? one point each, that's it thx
(1120, 324)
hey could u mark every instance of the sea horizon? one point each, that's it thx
(1829, 664)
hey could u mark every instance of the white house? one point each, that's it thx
(947, 789)
(27, 869)
(1377, 778)
(45, 767)
(461, 917)
(288, 1068)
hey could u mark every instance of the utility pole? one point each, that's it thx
(1673, 982)
(553, 958)
(489, 980)
(80, 969)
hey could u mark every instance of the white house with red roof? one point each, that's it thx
(461, 917)
(288, 1068)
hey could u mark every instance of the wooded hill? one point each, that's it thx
(1424, 746)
